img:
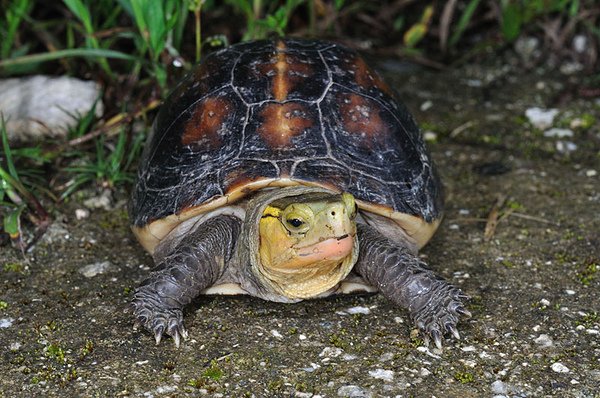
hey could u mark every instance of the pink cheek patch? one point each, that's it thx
(330, 249)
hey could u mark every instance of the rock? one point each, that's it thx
(559, 368)
(39, 107)
(6, 322)
(102, 201)
(528, 48)
(544, 341)
(566, 147)
(382, 374)
(358, 310)
(352, 391)
(541, 118)
(498, 387)
(580, 44)
(560, 133)
(94, 269)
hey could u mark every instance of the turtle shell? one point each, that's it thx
(282, 113)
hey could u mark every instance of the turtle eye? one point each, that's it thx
(297, 218)
(295, 222)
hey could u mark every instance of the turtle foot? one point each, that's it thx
(159, 321)
(439, 317)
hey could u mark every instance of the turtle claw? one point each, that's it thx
(159, 321)
(441, 314)
(437, 338)
(452, 329)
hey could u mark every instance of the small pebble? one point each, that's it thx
(566, 146)
(352, 391)
(6, 322)
(541, 118)
(591, 173)
(559, 368)
(301, 337)
(276, 334)
(94, 269)
(382, 374)
(81, 214)
(570, 292)
(544, 302)
(499, 387)
(331, 352)
(15, 346)
(544, 341)
(426, 105)
(580, 43)
(358, 310)
(558, 132)
(430, 136)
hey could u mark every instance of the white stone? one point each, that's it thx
(382, 374)
(591, 173)
(302, 337)
(94, 269)
(558, 132)
(559, 368)
(580, 43)
(39, 106)
(566, 146)
(541, 118)
(499, 387)
(352, 391)
(358, 310)
(424, 372)
(430, 136)
(426, 105)
(570, 292)
(544, 302)
(6, 322)
(81, 214)
(592, 331)
(15, 346)
(331, 352)
(276, 334)
(544, 341)
(468, 348)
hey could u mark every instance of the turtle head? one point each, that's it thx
(308, 243)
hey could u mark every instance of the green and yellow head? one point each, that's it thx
(308, 243)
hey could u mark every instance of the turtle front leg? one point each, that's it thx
(434, 305)
(196, 263)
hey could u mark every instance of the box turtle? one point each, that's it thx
(287, 169)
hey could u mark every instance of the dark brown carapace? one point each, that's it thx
(284, 112)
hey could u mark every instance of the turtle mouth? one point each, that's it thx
(336, 248)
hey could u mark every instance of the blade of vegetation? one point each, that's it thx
(15, 190)
(463, 22)
(82, 12)
(511, 20)
(13, 16)
(90, 53)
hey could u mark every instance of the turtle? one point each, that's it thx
(287, 169)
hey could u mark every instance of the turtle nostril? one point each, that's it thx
(333, 213)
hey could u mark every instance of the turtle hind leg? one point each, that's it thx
(434, 305)
(194, 264)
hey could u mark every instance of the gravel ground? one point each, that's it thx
(534, 282)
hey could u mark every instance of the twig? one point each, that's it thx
(115, 121)
(492, 219)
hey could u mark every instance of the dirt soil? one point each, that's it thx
(534, 282)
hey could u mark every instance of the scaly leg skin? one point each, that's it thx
(434, 305)
(195, 264)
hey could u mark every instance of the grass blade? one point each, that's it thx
(70, 53)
